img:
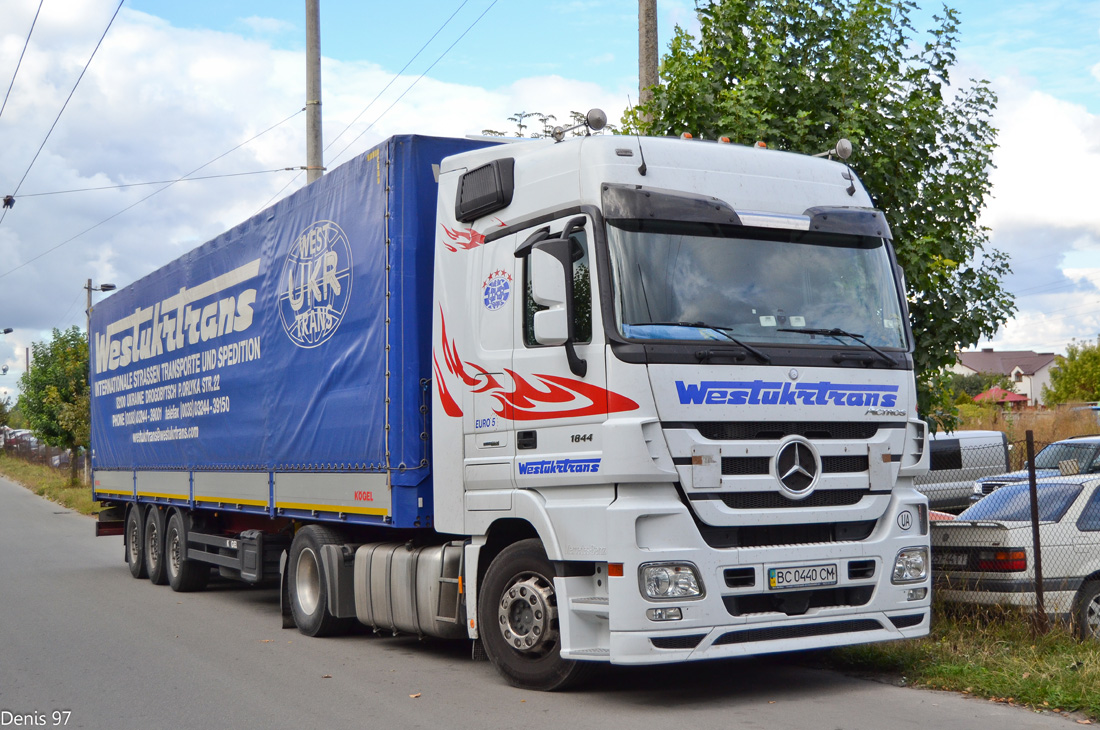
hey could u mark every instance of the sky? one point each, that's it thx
(214, 90)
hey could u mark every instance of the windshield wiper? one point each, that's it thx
(837, 333)
(720, 330)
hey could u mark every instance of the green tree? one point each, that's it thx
(800, 74)
(5, 411)
(54, 398)
(1075, 377)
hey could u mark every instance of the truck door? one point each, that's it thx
(489, 444)
(556, 412)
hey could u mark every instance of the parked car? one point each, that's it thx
(956, 460)
(1080, 455)
(985, 555)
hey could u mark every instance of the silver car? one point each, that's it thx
(985, 556)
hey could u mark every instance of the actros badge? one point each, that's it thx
(315, 286)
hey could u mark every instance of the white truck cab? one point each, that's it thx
(682, 371)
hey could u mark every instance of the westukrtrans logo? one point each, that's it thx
(761, 392)
(315, 286)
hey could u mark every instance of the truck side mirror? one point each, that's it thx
(551, 325)
(551, 272)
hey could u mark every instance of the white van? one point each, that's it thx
(956, 460)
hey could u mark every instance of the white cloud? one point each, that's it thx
(1046, 163)
(267, 26)
(159, 101)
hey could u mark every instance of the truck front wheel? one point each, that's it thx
(135, 550)
(518, 616)
(308, 584)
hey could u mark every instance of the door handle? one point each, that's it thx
(527, 440)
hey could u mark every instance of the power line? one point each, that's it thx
(379, 94)
(397, 75)
(4, 212)
(159, 182)
(20, 61)
(139, 202)
(418, 78)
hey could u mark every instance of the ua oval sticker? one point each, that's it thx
(315, 286)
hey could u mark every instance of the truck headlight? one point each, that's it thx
(669, 581)
(911, 565)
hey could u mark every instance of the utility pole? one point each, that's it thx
(315, 164)
(647, 49)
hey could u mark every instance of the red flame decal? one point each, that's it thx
(526, 403)
(465, 239)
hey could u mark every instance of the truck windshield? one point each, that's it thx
(685, 281)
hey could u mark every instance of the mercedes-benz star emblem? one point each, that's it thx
(797, 467)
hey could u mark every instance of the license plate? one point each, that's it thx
(802, 576)
(948, 560)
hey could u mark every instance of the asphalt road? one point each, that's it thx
(79, 635)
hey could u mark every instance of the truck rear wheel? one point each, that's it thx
(184, 575)
(135, 547)
(518, 615)
(1088, 611)
(308, 584)
(154, 546)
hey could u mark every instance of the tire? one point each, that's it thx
(1088, 611)
(518, 614)
(308, 584)
(135, 544)
(154, 546)
(184, 575)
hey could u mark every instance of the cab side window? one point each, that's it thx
(582, 295)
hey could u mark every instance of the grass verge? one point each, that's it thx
(991, 654)
(53, 484)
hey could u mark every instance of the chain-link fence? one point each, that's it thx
(1031, 535)
(23, 445)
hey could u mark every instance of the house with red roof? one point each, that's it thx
(1028, 370)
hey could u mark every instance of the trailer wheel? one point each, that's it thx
(1088, 611)
(154, 546)
(308, 584)
(135, 552)
(518, 615)
(184, 574)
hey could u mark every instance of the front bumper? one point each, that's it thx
(739, 614)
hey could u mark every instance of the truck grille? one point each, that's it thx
(796, 603)
(775, 430)
(798, 632)
(775, 500)
(765, 535)
(757, 465)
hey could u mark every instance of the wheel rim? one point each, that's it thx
(134, 543)
(527, 614)
(307, 581)
(152, 545)
(175, 552)
(1092, 617)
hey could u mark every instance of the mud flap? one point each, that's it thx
(284, 593)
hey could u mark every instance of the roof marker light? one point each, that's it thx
(686, 135)
(761, 144)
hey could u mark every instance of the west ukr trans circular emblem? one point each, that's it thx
(315, 286)
(495, 290)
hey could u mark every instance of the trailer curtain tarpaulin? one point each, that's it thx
(266, 348)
